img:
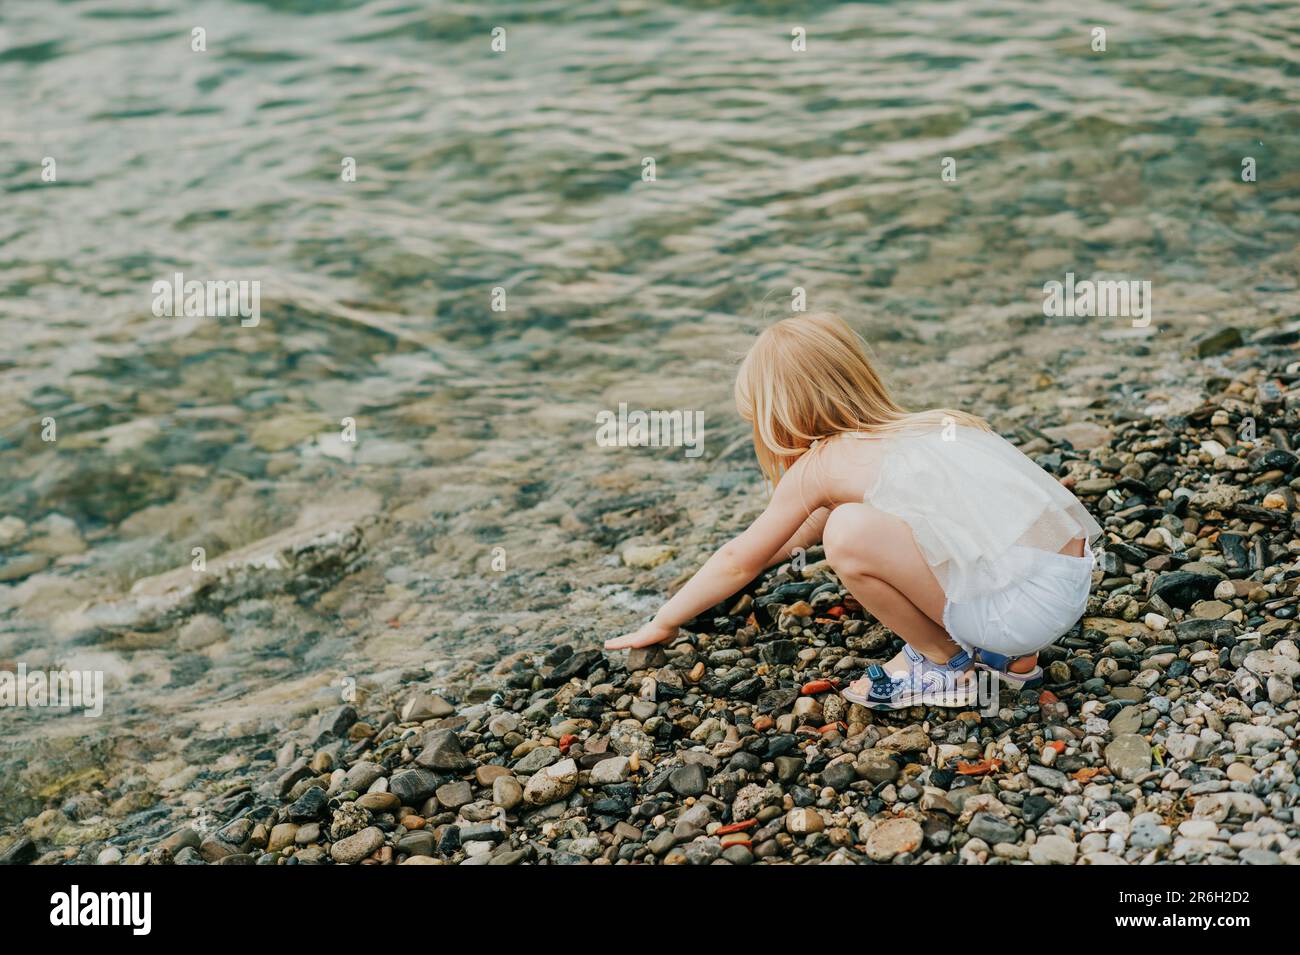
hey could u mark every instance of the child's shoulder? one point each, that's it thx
(859, 448)
(842, 438)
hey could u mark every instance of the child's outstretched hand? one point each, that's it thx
(647, 634)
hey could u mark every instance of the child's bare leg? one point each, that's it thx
(890, 607)
(876, 558)
(1024, 664)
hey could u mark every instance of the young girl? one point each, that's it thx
(946, 533)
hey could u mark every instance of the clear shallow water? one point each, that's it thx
(522, 170)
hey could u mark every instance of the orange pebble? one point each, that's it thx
(737, 827)
(982, 768)
(818, 686)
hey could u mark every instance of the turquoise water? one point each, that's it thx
(522, 170)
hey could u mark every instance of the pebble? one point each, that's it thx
(357, 847)
(507, 792)
(1053, 850)
(802, 822)
(1198, 829)
(412, 786)
(688, 780)
(909, 740)
(1126, 721)
(991, 829)
(609, 772)
(282, 836)
(893, 837)
(1150, 837)
(425, 706)
(553, 783)
(1044, 776)
(1128, 756)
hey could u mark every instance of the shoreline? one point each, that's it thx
(702, 772)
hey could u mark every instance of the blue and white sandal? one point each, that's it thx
(1001, 665)
(923, 683)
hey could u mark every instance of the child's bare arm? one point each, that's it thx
(808, 534)
(737, 562)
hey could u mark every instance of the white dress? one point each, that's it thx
(970, 497)
(990, 524)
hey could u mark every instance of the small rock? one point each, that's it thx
(1128, 756)
(804, 822)
(1053, 850)
(991, 829)
(425, 706)
(354, 848)
(909, 740)
(893, 837)
(553, 783)
(647, 556)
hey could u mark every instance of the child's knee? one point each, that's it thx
(845, 537)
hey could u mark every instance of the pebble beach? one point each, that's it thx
(1165, 731)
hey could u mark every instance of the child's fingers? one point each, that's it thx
(630, 641)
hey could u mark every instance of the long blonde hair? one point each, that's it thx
(808, 378)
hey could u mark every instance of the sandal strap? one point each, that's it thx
(883, 686)
(959, 662)
(996, 661)
(922, 675)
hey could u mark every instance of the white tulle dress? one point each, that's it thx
(990, 523)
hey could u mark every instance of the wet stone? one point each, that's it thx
(309, 806)
(688, 780)
(413, 786)
(442, 752)
(839, 776)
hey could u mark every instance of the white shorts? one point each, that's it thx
(1030, 614)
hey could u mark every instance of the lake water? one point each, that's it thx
(502, 267)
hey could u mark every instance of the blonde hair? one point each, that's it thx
(808, 378)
